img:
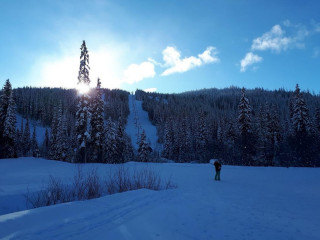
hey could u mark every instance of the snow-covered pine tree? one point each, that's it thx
(83, 112)
(34, 144)
(9, 131)
(144, 149)
(97, 124)
(231, 136)
(65, 143)
(26, 139)
(168, 140)
(301, 139)
(4, 104)
(53, 152)
(61, 137)
(274, 134)
(120, 143)
(46, 144)
(300, 117)
(201, 139)
(110, 146)
(221, 140)
(261, 127)
(246, 138)
(317, 119)
(244, 117)
(19, 140)
(184, 142)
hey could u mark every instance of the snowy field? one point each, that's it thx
(249, 203)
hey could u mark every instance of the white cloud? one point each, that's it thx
(275, 40)
(137, 72)
(174, 63)
(209, 55)
(248, 60)
(150, 89)
(154, 62)
(278, 40)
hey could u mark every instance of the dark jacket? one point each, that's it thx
(217, 165)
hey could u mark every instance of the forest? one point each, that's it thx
(240, 127)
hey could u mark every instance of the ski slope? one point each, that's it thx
(138, 121)
(40, 131)
(249, 203)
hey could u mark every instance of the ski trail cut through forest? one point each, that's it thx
(138, 120)
(40, 130)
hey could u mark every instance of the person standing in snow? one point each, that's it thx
(218, 166)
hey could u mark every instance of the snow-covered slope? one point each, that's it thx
(138, 121)
(40, 131)
(249, 203)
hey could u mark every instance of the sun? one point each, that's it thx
(83, 88)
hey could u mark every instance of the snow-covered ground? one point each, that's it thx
(138, 121)
(249, 203)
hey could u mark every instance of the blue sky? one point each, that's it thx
(167, 46)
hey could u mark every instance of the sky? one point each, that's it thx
(163, 46)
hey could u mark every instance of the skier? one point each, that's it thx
(218, 166)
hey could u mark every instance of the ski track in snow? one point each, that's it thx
(249, 203)
(138, 120)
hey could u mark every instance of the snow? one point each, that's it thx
(249, 203)
(138, 120)
(40, 131)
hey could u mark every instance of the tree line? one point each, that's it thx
(241, 127)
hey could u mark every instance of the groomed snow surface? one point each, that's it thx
(138, 120)
(249, 203)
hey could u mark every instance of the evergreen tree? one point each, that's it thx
(201, 138)
(246, 136)
(300, 117)
(46, 144)
(53, 153)
(184, 142)
(274, 134)
(144, 149)
(26, 139)
(65, 151)
(110, 147)
(34, 144)
(244, 117)
(19, 140)
(59, 144)
(168, 140)
(9, 131)
(97, 124)
(5, 96)
(231, 136)
(83, 108)
(120, 144)
(317, 119)
(62, 137)
(301, 139)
